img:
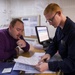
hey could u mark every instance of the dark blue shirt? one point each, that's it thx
(64, 42)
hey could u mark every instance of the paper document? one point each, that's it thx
(25, 64)
(28, 68)
(27, 60)
(23, 67)
(38, 55)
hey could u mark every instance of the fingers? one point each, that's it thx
(21, 43)
(45, 58)
(38, 67)
(42, 67)
(48, 58)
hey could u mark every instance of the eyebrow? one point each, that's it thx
(53, 17)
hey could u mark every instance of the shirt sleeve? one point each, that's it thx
(26, 49)
(53, 47)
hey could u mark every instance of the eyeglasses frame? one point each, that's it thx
(51, 20)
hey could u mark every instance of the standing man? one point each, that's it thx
(63, 41)
(10, 39)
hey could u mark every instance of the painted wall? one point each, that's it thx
(19, 8)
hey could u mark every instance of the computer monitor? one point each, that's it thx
(42, 35)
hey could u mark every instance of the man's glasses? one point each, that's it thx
(51, 20)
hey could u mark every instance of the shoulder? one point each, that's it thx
(71, 37)
(72, 33)
(3, 32)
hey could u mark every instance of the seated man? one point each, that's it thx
(10, 38)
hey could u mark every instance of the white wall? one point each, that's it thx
(4, 11)
(19, 8)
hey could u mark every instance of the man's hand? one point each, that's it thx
(21, 43)
(42, 67)
(45, 58)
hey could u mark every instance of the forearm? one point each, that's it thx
(66, 66)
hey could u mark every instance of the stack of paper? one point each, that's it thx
(25, 60)
(27, 64)
(28, 68)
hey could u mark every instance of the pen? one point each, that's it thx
(22, 72)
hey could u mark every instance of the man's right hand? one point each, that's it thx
(44, 58)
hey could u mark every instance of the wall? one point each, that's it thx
(4, 11)
(19, 8)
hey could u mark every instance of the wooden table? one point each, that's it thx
(31, 52)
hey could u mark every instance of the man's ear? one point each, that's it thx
(10, 26)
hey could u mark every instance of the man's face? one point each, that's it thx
(53, 19)
(17, 30)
